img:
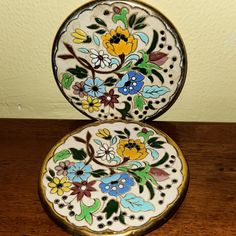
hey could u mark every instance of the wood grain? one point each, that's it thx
(210, 149)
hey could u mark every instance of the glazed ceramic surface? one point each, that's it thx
(116, 59)
(113, 178)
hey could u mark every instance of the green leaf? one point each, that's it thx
(146, 65)
(93, 26)
(154, 143)
(121, 218)
(151, 190)
(125, 111)
(151, 78)
(87, 211)
(126, 67)
(98, 173)
(154, 42)
(122, 16)
(151, 140)
(110, 82)
(51, 172)
(141, 188)
(162, 161)
(101, 32)
(140, 20)
(111, 208)
(139, 27)
(145, 135)
(158, 75)
(78, 154)
(144, 175)
(139, 102)
(127, 132)
(88, 40)
(61, 155)
(67, 80)
(49, 178)
(132, 20)
(122, 137)
(119, 132)
(123, 169)
(100, 21)
(79, 72)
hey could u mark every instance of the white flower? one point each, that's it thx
(100, 59)
(106, 153)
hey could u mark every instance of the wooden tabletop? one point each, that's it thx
(208, 209)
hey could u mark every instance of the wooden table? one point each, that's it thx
(210, 205)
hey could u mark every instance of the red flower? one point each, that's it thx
(109, 98)
(83, 189)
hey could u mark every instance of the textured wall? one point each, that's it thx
(27, 87)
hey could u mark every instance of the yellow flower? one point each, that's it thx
(119, 42)
(104, 133)
(91, 104)
(131, 149)
(80, 36)
(59, 186)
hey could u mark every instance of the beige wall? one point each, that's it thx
(28, 27)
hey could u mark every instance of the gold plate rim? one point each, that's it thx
(151, 225)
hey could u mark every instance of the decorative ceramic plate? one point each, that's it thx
(113, 178)
(119, 59)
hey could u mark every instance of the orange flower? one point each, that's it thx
(119, 42)
(131, 149)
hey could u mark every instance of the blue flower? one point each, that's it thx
(131, 83)
(94, 87)
(116, 184)
(79, 172)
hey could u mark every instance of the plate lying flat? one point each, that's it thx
(119, 59)
(113, 178)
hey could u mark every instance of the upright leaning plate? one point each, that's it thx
(113, 178)
(119, 59)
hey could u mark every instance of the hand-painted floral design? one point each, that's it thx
(83, 189)
(80, 36)
(131, 83)
(91, 104)
(109, 99)
(132, 149)
(129, 60)
(63, 167)
(94, 87)
(79, 172)
(112, 170)
(106, 153)
(104, 133)
(119, 42)
(78, 89)
(59, 186)
(99, 59)
(116, 184)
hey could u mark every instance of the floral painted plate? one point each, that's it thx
(113, 178)
(119, 59)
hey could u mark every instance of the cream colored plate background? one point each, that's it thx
(28, 89)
